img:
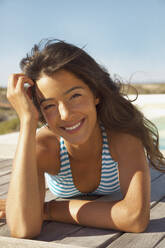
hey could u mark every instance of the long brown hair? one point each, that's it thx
(114, 110)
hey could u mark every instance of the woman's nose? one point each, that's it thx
(64, 111)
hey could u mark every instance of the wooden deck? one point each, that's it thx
(60, 235)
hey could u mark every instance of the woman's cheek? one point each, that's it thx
(88, 105)
(49, 116)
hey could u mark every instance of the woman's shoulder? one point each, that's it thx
(123, 137)
(46, 135)
(122, 144)
(47, 150)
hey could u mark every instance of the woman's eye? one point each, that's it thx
(75, 95)
(48, 106)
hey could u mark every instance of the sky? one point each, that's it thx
(125, 36)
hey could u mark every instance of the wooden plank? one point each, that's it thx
(78, 235)
(4, 230)
(5, 174)
(157, 189)
(155, 174)
(2, 222)
(53, 231)
(160, 244)
(4, 159)
(56, 231)
(24, 243)
(3, 190)
(5, 163)
(5, 168)
(157, 194)
(149, 238)
(5, 178)
(91, 237)
(88, 237)
(3, 194)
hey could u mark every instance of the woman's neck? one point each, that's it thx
(93, 146)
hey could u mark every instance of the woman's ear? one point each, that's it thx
(97, 100)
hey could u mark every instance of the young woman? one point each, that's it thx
(94, 142)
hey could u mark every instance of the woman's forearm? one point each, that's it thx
(110, 215)
(23, 208)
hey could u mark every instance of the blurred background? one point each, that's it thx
(127, 37)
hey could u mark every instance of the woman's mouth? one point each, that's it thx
(75, 127)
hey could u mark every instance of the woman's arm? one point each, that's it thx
(130, 214)
(24, 210)
(23, 206)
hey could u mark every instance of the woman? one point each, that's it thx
(94, 142)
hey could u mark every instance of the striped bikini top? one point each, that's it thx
(62, 184)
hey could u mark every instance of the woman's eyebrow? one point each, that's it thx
(44, 100)
(65, 93)
(73, 88)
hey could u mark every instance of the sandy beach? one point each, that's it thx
(153, 106)
(8, 144)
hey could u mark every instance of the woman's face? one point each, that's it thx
(68, 105)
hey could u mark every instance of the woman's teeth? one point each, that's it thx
(73, 127)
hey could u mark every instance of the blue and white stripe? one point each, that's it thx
(62, 184)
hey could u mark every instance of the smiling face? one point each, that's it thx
(68, 106)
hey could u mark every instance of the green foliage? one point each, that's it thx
(12, 125)
(9, 126)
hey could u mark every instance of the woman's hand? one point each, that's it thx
(20, 99)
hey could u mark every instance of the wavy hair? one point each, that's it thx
(115, 111)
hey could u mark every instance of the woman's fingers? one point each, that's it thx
(21, 82)
(19, 98)
(16, 80)
(16, 84)
(13, 80)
